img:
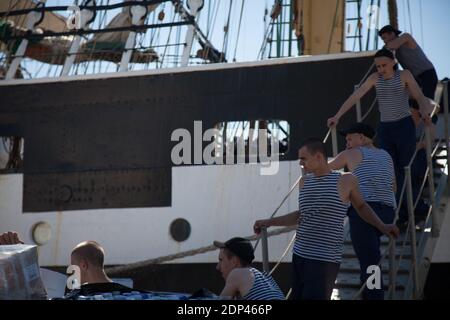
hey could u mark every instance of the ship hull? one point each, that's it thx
(97, 155)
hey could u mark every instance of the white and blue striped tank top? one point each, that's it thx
(393, 98)
(376, 176)
(264, 288)
(320, 233)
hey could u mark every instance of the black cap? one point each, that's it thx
(388, 28)
(361, 128)
(239, 246)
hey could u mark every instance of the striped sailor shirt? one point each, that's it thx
(320, 233)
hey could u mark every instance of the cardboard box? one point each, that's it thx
(20, 278)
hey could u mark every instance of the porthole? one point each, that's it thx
(180, 230)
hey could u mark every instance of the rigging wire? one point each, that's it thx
(101, 20)
(168, 39)
(208, 18)
(409, 15)
(155, 32)
(177, 48)
(421, 24)
(239, 31)
(213, 23)
(268, 31)
(377, 25)
(369, 25)
(227, 29)
(404, 15)
(22, 19)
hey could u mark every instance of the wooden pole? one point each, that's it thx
(393, 13)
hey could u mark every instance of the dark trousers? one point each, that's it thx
(312, 279)
(366, 243)
(398, 138)
(418, 170)
(428, 81)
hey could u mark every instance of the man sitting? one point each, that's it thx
(241, 280)
(89, 257)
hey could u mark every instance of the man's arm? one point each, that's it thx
(404, 39)
(289, 219)
(364, 210)
(233, 284)
(348, 158)
(339, 162)
(351, 101)
(392, 172)
(425, 104)
(10, 237)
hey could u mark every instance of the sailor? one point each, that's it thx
(396, 132)
(241, 280)
(411, 57)
(324, 196)
(374, 170)
(89, 257)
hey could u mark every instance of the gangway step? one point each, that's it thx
(349, 252)
(352, 265)
(351, 280)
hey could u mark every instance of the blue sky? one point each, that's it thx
(436, 30)
(427, 20)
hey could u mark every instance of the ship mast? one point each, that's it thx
(393, 13)
(313, 26)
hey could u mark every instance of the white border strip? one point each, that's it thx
(209, 67)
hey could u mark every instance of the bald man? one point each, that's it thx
(89, 257)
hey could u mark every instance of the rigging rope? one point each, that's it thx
(168, 40)
(421, 24)
(239, 31)
(146, 263)
(409, 16)
(214, 19)
(227, 29)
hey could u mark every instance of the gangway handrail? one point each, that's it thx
(392, 289)
(424, 236)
